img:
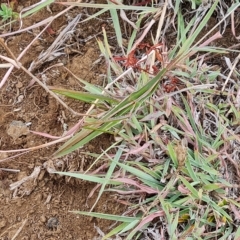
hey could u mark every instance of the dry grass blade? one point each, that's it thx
(231, 71)
(57, 46)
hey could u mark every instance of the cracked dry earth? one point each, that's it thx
(35, 204)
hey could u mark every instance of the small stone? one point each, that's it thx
(3, 223)
(3, 155)
(20, 98)
(17, 129)
(43, 219)
(31, 211)
(19, 85)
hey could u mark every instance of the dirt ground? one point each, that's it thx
(39, 208)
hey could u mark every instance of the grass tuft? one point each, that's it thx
(170, 126)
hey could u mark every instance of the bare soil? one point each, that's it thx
(39, 208)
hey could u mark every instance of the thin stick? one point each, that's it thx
(20, 229)
(34, 148)
(229, 75)
(10, 170)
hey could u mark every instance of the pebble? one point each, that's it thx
(17, 129)
(43, 219)
(3, 223)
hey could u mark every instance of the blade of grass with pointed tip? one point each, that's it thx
(183, 35)
(145, 222)
(138, 173)
(89, 87)
(82, 138)
(130, 226)
(84, 96)
(111, 6)
(155, 186)
(134, 34)
(172, 154)
(116, 230)
(94, 15)
(116, 24)
(188, 43)
(90, 123)
(191, 172)
(193, 124)
(145, 169)
(88, 177)
(32, 11)
(189, 187)
(216, 208)
(38, 7)
(136, 123)
(173, 225)
(108, 175)
(140, 95)
(104, 50)
(211, 187)
(189, 115)
(108, 216)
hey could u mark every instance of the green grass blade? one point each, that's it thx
(88, 177)
(107, 216)
(108, 174)
(191, 172)
(134, 33)
(190, 187)
(95, 15)
(116, 230)
(38, 8)
(151, 172)
(188, 43)
(116, 24)
(84, 96)
(172, 154)
(138, 173)
(112, 6)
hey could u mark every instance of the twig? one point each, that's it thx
(52, 52)
(34, 148)
(10, 170)
(20, 229)
(229, 75)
